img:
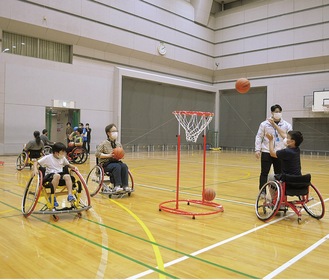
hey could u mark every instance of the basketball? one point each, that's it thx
(242, 85)
(209, 194)
(118, 153)
(71, 144)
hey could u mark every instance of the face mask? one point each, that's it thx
(285, 141)
(114, 135)
(61, 156)
(277, 116)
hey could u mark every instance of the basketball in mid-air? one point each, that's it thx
(118, 153)
(242, 85)
(209, 194)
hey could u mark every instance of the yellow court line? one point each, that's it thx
(156, 250)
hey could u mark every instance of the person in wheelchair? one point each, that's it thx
(34, 147)
(117, 168)
(290, 156)
(45, 139)
(55, 164)
(76, 140)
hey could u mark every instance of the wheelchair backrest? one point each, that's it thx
(35, 153)
(297, 184)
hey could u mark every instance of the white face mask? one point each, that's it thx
(114, 135)
(277, 116)
(61, 156)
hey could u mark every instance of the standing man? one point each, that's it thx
(279, 129)
(69, 130)
(88, 131)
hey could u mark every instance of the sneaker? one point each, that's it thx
(117, 189)
(127, 189)
(106, 189)
(70, 198)
(55, 201)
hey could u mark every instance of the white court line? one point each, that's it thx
(142, 274)
(295, 259)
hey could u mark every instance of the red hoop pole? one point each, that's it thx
(178, 168)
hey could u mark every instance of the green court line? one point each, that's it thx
(153, 243)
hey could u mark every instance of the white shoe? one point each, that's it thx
(127, 189)
(117, 189)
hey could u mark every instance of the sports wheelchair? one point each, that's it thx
(78, 155)
(96, 182)
(38, 197)
(26, 158)
(276, 196)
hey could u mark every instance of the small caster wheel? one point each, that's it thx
(110, 196)
(188, 203)
(159, 209)
(129, 194)
(79, 215)
(193, 217)
(56, 218)
(299, 220)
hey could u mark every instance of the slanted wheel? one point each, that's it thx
(95, 180)
(47, 150)
(130, 181)
(31, 194)
(268, 200)
(21, 161)
(82, 195)
(314, 204)
(79, 155)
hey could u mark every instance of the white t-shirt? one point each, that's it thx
(53, 164)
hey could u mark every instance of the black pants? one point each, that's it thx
(266, 163)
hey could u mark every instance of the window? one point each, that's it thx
(34, 47)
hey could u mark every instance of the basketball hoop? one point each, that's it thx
(193, 122)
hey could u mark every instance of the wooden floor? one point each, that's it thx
(131, 238)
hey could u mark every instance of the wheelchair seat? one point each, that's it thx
(297, 184)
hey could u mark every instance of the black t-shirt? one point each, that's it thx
(290, 161)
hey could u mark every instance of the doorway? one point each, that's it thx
(56, 119)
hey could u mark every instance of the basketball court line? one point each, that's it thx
(280, 269)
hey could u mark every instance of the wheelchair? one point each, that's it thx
(38, 197)
(78, 155)
(47, 150)
(96, 182)
(290, 191)
(25, 159)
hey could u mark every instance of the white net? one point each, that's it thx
(193, 122)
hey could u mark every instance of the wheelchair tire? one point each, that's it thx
(31, 194)
(21, 161)
(268, 201)
(95, 180)
(83, 197)
(79, 155)
(47, 150)
(314, 204)
(130, 181)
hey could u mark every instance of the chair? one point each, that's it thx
(278, 195)
(26, 158)
(97, 182)
(38, 197)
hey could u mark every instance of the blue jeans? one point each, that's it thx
(119, 171)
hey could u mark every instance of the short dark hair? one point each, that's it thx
(276, 106)
(68, 123)
(58, 146)
(44, 131)
(297, 136)
(108, 127)
(80, 130)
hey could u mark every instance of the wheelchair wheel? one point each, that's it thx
(47, 150)
(81, 192)
(268, 201)
(314, 204)
(31, 194)
(130, 182)
(79, 155)
(95, 180)
(21, 161)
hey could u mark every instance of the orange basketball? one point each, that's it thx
(209, 194)
(118, 153)
(71, 144)
(242, 85)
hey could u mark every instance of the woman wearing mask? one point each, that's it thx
(117, 168)
(279, 129)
